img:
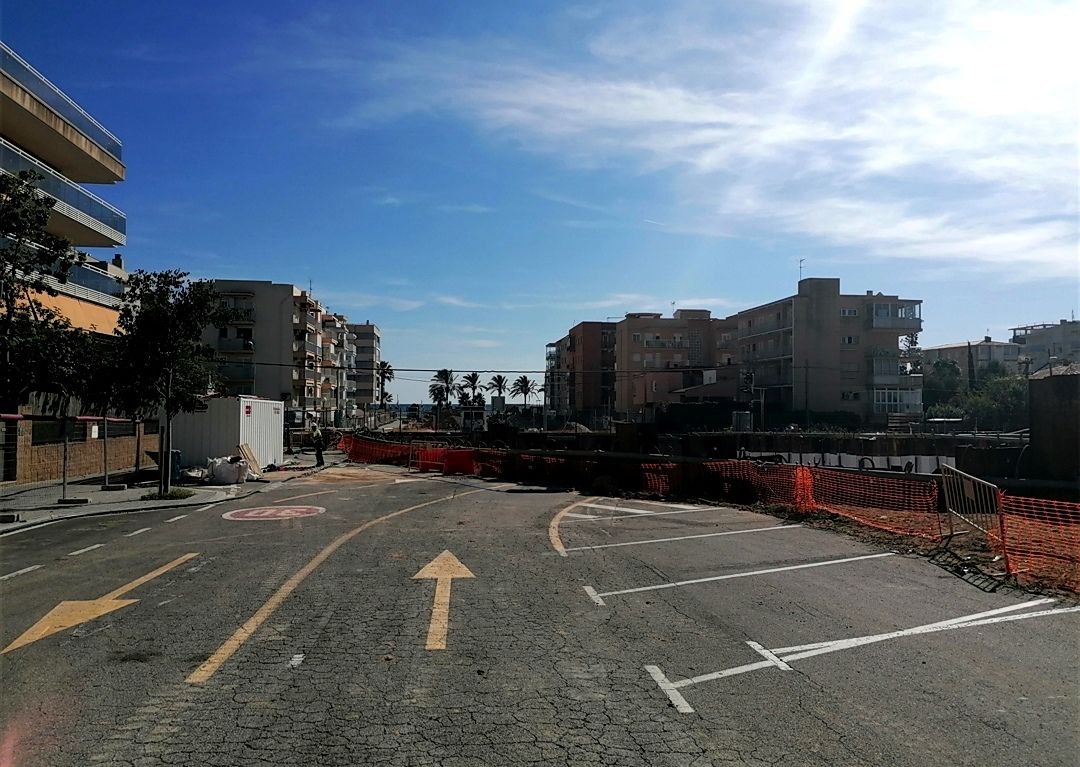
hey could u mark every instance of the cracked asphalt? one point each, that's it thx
(334, 670)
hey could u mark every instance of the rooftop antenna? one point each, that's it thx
(801, 261)
(672, 308)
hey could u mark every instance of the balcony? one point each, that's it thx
(77, 215)
(762, 327)
(243, 312)
(896, 316)
(237, 371)
(235, 345)
(655, 343)
(37, 115)
(898, 380)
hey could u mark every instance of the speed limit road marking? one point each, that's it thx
(272, 512)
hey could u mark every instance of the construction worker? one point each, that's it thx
(318, 444)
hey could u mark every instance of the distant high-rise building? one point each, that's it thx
(1038, 343)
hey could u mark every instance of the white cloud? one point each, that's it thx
(481, 343)
(389, 200)
(457, 301)
(343, 301)
(469, 208)
(905, 130)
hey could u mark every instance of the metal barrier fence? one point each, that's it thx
(1039, 540)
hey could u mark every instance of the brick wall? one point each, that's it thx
(44, 463)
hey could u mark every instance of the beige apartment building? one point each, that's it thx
(1039, 343)
(656, 355)
(284, 345)
(826, 351)
(364, 381)
(982, 353)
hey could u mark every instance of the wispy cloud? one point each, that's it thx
(457, 301)
(470, 208)
(389, 200)
(345, 300)
(921, 130)
(481, 343)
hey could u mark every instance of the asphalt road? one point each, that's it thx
(577, 640)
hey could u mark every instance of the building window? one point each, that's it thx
(850, 396)
(849, 340)
(637, 338)
(849, 312)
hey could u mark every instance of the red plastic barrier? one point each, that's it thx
(490, 463)
(1042, 540)
(660, 478)
(459, 462)
(906, 506)
(363, 450)
(430, 458)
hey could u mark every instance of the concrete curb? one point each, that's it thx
(17, 527)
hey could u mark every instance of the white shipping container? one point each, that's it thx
(225, 425)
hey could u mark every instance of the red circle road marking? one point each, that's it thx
(273, 512)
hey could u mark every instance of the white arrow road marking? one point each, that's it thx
(781, 657)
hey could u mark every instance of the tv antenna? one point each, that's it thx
(801, 261)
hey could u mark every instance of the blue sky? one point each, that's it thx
(477, 177)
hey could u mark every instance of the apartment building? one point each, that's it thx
(825, 351)
(982, 353)
(274, 347)
(1038, 343)
(364, 379)
(657, 355)
(44, 130)
(579, 378)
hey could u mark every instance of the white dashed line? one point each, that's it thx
(17, 573)
(296, 660)
(581, 516)
(88, 548)
(207, 506)
(641, 514)
(137, 532)
(594, 596)
(682, 537)
(180, 516)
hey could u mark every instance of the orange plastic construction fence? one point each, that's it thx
(906, 506)
(1042, 540)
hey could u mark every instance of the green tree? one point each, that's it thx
(942, 383)
(498, 384)
(910, 353)
(160, 352)
(444, 386)
(471, 383)
(39, 350)
(1000, 403)
(523, 387)
(385, 373)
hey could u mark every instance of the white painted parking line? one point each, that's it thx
(594, 596)
(781, 657)
(179, 516)
(640, 514)
(137, 532)
(667, 505)
(767, 571)
(672, 692)
(581, 516)
(17, 573)
(88, 548)
(296, 660)
(682, 537)
(627, 509)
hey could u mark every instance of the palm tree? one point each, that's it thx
(385, 373)
(523, 387)
(471, 383)
(498, 384)
(445, 382)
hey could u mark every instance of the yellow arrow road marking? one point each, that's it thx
(73, 612)
(443, 569)
(251, 625)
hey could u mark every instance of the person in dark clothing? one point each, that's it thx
(319, 445)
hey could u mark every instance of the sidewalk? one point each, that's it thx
(39, 506)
